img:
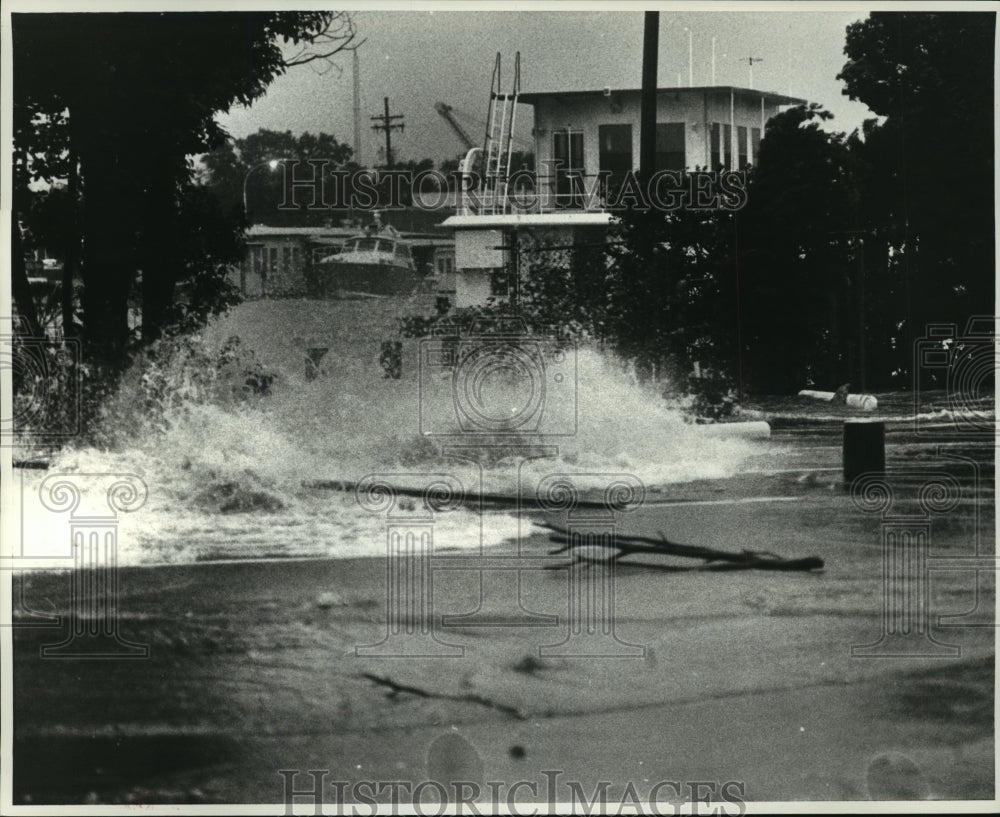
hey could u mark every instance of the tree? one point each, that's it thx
(929, 164)
(243, 165)
(794, 251)
(133, 95)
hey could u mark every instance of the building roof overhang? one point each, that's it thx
(510, 221)
(532, 98)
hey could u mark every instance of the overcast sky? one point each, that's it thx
(418, 58)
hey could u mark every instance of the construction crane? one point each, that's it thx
(449, 117)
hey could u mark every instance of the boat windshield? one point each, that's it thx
(384, 246)
(403, 251)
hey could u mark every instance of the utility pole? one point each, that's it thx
(751, 61)
(385, 122)
(647, 110)
(356, 65)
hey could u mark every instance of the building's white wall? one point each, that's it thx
(476, 249)
(474, 252)
(473, 287)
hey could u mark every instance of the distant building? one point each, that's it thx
(586, 143)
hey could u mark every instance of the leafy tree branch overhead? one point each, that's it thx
(123, 100)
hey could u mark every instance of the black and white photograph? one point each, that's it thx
(472, 408)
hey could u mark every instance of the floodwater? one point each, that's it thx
(257, 477)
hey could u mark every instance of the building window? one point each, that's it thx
(615, 155)
(286, 258)
(567, 151)
(727, 146)
(295, 257)
(670, 146)
(741, 140)
(755, 145)
(717, 161)
(272, 265)
(445, 265)
(257, 258)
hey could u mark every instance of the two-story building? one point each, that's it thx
(586, 144)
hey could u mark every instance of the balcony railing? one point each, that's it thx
(526, 193)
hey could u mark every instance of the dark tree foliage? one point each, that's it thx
(243, 165)
(795, 269)
(928, 168)
(130, 97)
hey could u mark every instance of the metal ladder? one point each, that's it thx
(499, 145)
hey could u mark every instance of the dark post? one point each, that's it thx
(864, 449)
(386, 122)
(647, 120)
(391, 359)
(515, 263)
(388, 137)
(862, 362)
(313, 357)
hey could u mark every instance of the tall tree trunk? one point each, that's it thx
(108, 269)
(71, 252)
(20, 288)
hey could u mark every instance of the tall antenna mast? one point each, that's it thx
(357, 107)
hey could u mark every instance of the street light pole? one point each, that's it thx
(272, 163)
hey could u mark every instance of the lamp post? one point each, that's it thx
(272, 163)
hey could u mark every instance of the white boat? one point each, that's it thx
(378, 262)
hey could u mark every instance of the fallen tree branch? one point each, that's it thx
(713, 559)
(395, 689)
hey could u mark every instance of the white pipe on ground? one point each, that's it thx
(755, 430)
(865, 402)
